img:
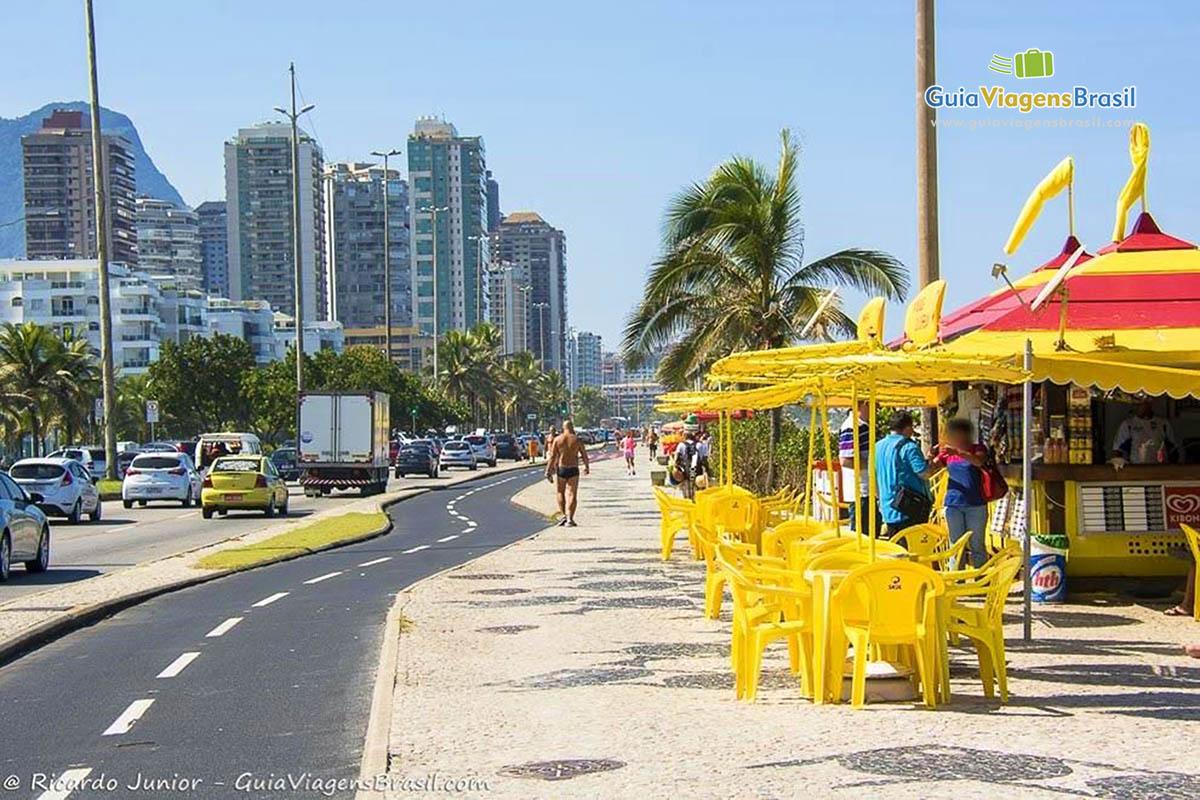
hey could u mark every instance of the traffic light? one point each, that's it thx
(566, 412)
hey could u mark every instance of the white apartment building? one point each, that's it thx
(318, 335)
(169, 242)
(584, 363)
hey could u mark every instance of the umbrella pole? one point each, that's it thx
(1027, 485)
(871, 415)
(809, 504)
(829, 470)
(729, 449)
(858, 510)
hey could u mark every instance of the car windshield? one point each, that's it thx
(97, 453)
(156, 462)
(457, 446)
(476, 440)
(36, 472)
(236, 465)
(75, 455)
(283, 455)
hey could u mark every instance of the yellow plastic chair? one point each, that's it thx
(889, 603)
(677, 514)
(939, 484)
(764, 611)
(948, 559)
(738, 514)
(883, 547)
(984, 625)
(1193, 540)
(714, 579)
(925, 539)
(776, 540)
(781, 508)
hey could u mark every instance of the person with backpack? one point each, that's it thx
(685, 457)
(965, 507)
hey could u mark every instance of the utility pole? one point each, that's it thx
(541, 333)
(387, 257)
(107, 379)
(297, 267)
(928, 269)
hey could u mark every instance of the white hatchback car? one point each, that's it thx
(65, 486)
(457, 453)
(161, 476)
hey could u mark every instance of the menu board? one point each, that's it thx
(1122, 508)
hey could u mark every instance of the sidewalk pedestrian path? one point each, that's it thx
(577, 664)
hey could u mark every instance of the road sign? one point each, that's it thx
(531, 417)
(99, 409)
(151, 411)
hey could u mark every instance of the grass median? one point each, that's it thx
(109, 489)
(303, 539)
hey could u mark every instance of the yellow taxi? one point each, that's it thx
(243, 482)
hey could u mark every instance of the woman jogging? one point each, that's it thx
(629, 448)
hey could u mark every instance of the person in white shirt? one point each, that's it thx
(1143, 439)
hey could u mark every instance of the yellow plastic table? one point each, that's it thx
(823, 582)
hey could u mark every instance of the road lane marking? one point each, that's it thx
(186, 514)
(448, 538)
(178, 665)
(416, 549)
(324, 577)
(266, 601)
(223, 628)
(375, 561)
(65, 783)
(472, 523)
(123, 723)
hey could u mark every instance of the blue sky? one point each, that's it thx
(595, 114)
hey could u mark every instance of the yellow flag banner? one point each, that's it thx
(1135, 187)
(1055, 181)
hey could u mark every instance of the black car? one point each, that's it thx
(507, 446)
(286, 464)
(416, 459)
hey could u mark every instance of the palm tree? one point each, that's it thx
(82, 361)
(520, 377)
(733, 276)
(36, 371)
(553, 394)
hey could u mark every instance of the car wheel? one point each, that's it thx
(42, 562)
(95, 515)
(399, 474)
(141, 503)
(474, 467)
(5, 556)
(206, 512)
(270, 510)
(76, 512)
(127, 503)
(187, 500)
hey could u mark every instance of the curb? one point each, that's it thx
(51, 629)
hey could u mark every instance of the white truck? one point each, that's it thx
(343, 441)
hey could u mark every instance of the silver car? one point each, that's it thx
(161, 476)
(457, 453)
(25, 535)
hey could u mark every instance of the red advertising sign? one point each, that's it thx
(1183, 505)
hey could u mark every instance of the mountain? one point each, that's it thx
(12, 185)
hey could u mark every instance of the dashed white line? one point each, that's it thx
(324, 577)
(375, 561)
(223, 628)
(472, 523)
(186, 514)
(448, 538)
(266, 601)
(124, 723)
(178, 665)
(65, 783)
(417, 549)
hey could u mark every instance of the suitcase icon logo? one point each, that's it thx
(1033, 63)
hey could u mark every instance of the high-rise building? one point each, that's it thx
(168, 240)
(493, 202)
(354, 199)
(214, 247)
(508, 305)
(533, 246)
(60, 205)
(447, 183)
(258, 194)
(584, 363)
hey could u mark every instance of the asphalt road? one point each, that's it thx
(280, 684)
(126, 537)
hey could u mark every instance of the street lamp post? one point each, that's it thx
(387, 257)
(106, 341)
(297, 269)
(481, 275)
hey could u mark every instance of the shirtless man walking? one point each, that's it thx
(562, 462)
